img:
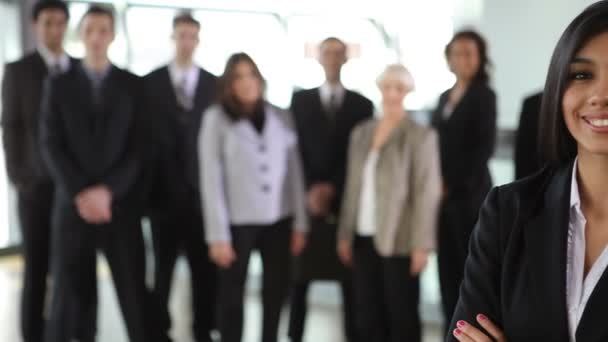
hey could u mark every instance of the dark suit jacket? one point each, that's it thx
(467, 140)
(324, 144)
(83, 146)
(324, 147)
(527, 153)
(175, 136)
(21, 96)
(516, 270)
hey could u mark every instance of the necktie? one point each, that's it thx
(332, 105)
(183, 99)
(54, 69)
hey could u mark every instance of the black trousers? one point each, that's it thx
(299, 309)
(273, 243)
(34, 210)
(319, 261)
(386, 296)
(74, 249)
(175, 232)
(457, 218)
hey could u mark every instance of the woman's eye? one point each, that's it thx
(580, 75)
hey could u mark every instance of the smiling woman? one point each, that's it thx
(538, 255)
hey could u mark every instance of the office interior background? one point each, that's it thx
(281, 35)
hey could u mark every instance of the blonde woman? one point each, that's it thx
(389, 213)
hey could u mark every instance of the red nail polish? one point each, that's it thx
(457, 332)
(482, 318)
(461, 324)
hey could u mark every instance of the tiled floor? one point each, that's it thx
(323, 324)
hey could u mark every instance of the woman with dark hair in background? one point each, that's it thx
(466, 121)
(253, 195)
(536, 268)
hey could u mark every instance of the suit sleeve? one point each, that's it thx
(297, 191)
(348, 215)
(427, 192)
(64, 171)
(13, 125)
(482, 130)
(296, 110)
(215, 201)
(480, 289)
(122, 176)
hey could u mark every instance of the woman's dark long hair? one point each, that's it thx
(226, 97)
(483, 74)
(557, 144)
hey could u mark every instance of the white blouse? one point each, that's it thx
(367, 202)
(578, 290)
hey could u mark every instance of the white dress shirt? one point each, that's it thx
(185, 77)
(578, 290)
(51, 60)
(249, 178)
(366, 222)
(327, 90)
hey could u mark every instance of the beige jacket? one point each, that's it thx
(408, 187)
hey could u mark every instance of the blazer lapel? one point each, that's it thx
(39, 67)
(546, 236)
(167, 88)
(202, 93)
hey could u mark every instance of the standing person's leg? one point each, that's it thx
(348, 306)
(401, 299)
(34, 209)
(165, 235)
(450, 256)
(123, 245)
(203, 276)
(456, 222)
(298, 309)
(231, 285)
(274, 245)
(368, 292)
(73, 313)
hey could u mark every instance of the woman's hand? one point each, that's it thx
(222, 254)
(420, 258)
(465, 332)
(298, 242)
(345, 252)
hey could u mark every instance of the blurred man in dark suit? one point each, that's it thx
(177, 96)
(324, 118)
(89, 121)
(21, 95)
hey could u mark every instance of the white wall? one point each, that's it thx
(521, 36)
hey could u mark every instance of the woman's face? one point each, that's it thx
(585, 101)
(393, 91)
(463, 58)
(246, 87)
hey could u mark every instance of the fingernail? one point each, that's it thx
(461, 324)
(457, 332)
(482, 318)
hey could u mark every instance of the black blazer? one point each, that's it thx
(174, 134)
(323, 143)
(516, 270)
(21, 96)
(527, 153)
(83, 146)
(466, 141)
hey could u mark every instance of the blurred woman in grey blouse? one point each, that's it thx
(253, 194)
(389, 212)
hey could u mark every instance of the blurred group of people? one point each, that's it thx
(330, 189)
